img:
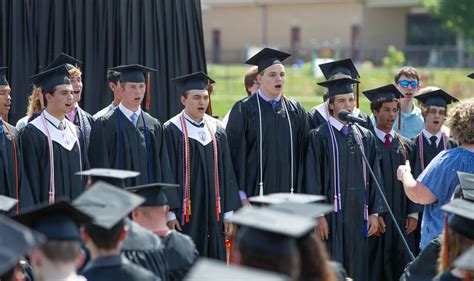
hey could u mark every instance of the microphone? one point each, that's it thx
(344, 115)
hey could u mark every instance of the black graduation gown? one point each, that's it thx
(315, 119)
(180, 253)
(9, 168)
(116, 268)
(425, 265)
(66, 165)
(83, 120)
(203, 227)
(243, 133)
(347, 243)
(145, 249)
(428, 152)
(104, 148)
(388, 255)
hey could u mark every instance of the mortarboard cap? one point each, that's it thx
(212, 270)
(471, 75)
(112, 176)
(270, 231)
(107, 204)
(16, 240)
(51, 78)
(59, 221)
(7, 203)
(389, 92)
(345, 66)
(195, 81)
(466, 182)
(64, 59)
(267, 57)
(338, 86)
(462, 220)
(437, 97)
(277, 198)
(132, 73)
(153, 193)
(310, 210)
(466, 260)
(3, 76)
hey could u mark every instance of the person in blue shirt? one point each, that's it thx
(436, 184)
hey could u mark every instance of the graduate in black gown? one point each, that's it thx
(334, 168)
(52, 146)
(388, 254)
(78, 116)
(267, 162)
(13, 181)
(334, 70)
(129, 138)
(108, 206)
(178, 248)
(200, 157)
(431, 140)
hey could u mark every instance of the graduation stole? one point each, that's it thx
(186, 162)
(421, 149)
(403, 146)
(52, 188)
(336, 174)
(17, 192)
(147, 142)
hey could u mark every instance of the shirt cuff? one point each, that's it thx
(243, 195)
(377, 215)
(413, 215)
(171, 216)
(228, 215)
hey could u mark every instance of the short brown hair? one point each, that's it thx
(105, 238)
(249, 78)
(376, 105)
(61, 251)
(409, 72)
(461, 122)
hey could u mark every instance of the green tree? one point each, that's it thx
(456, 15)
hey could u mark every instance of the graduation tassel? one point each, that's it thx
(357, 95)
(445, 258)
(15, 157)
(209, 90)
(399, 118)
(147, 99)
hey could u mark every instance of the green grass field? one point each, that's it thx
(301, 85)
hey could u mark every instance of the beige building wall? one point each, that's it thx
(386, 26)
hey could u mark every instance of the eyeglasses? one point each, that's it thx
(405, 83)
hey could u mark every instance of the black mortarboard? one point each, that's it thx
(153, 193)
(471, 75)
(270, 231)
(3, 76)
(113, 176)
(466, 260)
(345, 66)
(51, 78)
(462, 220)
(466, 182)
(16, 240)
(107, 204)
(64, 59)
(277, 198)
(389, 92)
(195, 81)
(7, 203)
(310, 210)
(438, 97)
(213, 270)
(338, 86)
(266, 58)
(59, 221)
(133, 72)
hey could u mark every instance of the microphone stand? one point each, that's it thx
(374, 178)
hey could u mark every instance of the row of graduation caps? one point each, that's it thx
(289, 216)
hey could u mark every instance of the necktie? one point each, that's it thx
(274, 103)
(387, 141)
(433, 140)
(134, 119)
(61, 126)
(345, 130)
(72, 114)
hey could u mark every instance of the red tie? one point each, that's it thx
(387, 141)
